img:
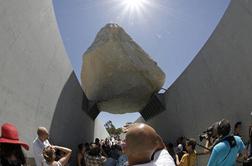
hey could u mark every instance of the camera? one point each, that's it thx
(210, 132)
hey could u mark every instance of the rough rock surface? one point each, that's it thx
(117, 73)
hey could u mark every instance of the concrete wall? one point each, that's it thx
(70, 125)
(38, 86)
(99, 130)
(218, 82)
(37, 83)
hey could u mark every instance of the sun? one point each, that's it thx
(134, 4)
(133, 10)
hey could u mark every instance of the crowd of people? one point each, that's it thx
(106, 152)
(225, 148)
(142, 146)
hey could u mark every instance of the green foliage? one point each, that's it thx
(111, 129)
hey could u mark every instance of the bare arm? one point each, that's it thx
(206, 151)
(243, 153)
(242, 156)
(63, 160)
(183, 161)
(208, 145)
(177, 160)
(79, 159)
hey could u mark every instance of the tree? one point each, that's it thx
(111, 129)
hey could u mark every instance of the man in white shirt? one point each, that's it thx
(163, 158)
(39, 144)
(141, 143)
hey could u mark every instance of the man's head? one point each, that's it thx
(97, 141)
(42, 133)
(94, 150)
(180, 147)
(190, 145)
(223, 128)
(140, 143)
(237, 127)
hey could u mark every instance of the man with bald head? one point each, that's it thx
(39, 144)
(144, 147)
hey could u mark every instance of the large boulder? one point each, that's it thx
(117, 73)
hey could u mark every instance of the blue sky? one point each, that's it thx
(170, 31)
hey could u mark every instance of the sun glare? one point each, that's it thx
(134, 4)
(133, 10)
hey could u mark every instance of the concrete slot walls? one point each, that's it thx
(38, 85)
(218, 82)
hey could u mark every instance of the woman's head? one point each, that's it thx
(190, 145)
(9, 135)
(49, 154)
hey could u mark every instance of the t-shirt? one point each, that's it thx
(222, 154)
(122, 160)
(58, 163)
(93, 160)
(109, 162)
(161, 158)
(38, 147)
(188, 159)
(180, 155)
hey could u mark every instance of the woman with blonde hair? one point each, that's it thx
(50, 156)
